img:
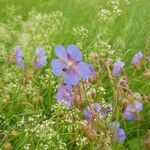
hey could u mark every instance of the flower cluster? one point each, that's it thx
(86, 101)
(40, 57)
(73, 71)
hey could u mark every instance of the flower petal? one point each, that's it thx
(84, 70)
(61, 51)
(40, 62)
(71, 77)
(57, 66)
(116, 71)
(19, 57)
(87, 114)
(40, 51)
(64, 95)
(74, 52)
(120, 135)
(138, 105)
(129, 116)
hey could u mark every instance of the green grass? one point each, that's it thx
(129, 33)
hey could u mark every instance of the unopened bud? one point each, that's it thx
(94, 56)
(124, 103)
(14, 133)
(91, 134)
(7, 146)
(147, 143)
(147, 74)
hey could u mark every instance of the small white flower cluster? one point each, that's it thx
(116, 7)
(81, 141)
(103, 46)
(80, 34)
(3, 52)
(39, 30)
(5, 34)
(9, 30)
(9, 74)
(47, 79)
(102, 90)
(30, 89)
(45, 136)
(112, 11)
(32, 120)
(105, 15)
(71, 122)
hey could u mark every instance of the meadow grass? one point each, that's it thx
(126, 34)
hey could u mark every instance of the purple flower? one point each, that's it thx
(65, 96)
(132, 111)
(40, 58)
(119, 134)
(94, 110)
(70, 65)
(149, 59)
(137, 57)
(19, 57)
(92, 71)
(118, 66)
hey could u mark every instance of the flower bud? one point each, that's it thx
(14, 133)
(7, 146)
(37, 99)
(94, 56)
(147, 143)
(147, 74)
(91, 134)
(124, 103)
(79, 102)
(130, 98)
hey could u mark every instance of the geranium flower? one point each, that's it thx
(65, 96)
(94, 110)
(137, 57)
(40, 57)
(19, 57)
(69, 64)
(132, 111)
(118, 66)
(119, 134)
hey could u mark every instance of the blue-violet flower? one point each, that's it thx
(119, 134)
(132, 111)
(118, 66)
(40, 57)
(65, 95)
(69, 64)
(19, 57)
(137, 57)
